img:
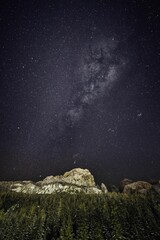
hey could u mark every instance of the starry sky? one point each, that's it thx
(80, 87)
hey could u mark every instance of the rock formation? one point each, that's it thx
(137, 187)
(76, 180)
(77, 176)
(125, 182)
(104, 188)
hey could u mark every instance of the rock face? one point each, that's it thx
(137, 187)
(77, 176)
(76, 180)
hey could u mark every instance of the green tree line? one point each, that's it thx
(112, 216)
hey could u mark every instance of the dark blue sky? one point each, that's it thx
(80, 88)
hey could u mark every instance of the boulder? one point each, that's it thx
(104, 188)
(125, 182)
(137, 187)
(79, 177)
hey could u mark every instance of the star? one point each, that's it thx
(80, 87)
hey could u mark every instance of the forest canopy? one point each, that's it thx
(81, 216)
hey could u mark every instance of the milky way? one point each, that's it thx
(96, 71)
(80, 88)
(99, 69)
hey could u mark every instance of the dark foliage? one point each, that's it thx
(65, 216)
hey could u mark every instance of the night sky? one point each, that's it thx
(80, 87)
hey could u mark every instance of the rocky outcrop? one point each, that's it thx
(74, 181)
(24, 187)
(137, 187)
(104, 188)
(125, 182)
(77, 176)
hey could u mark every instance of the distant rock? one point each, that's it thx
(104, 188)
(74, 181)
(137, 187)
(125, 182)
